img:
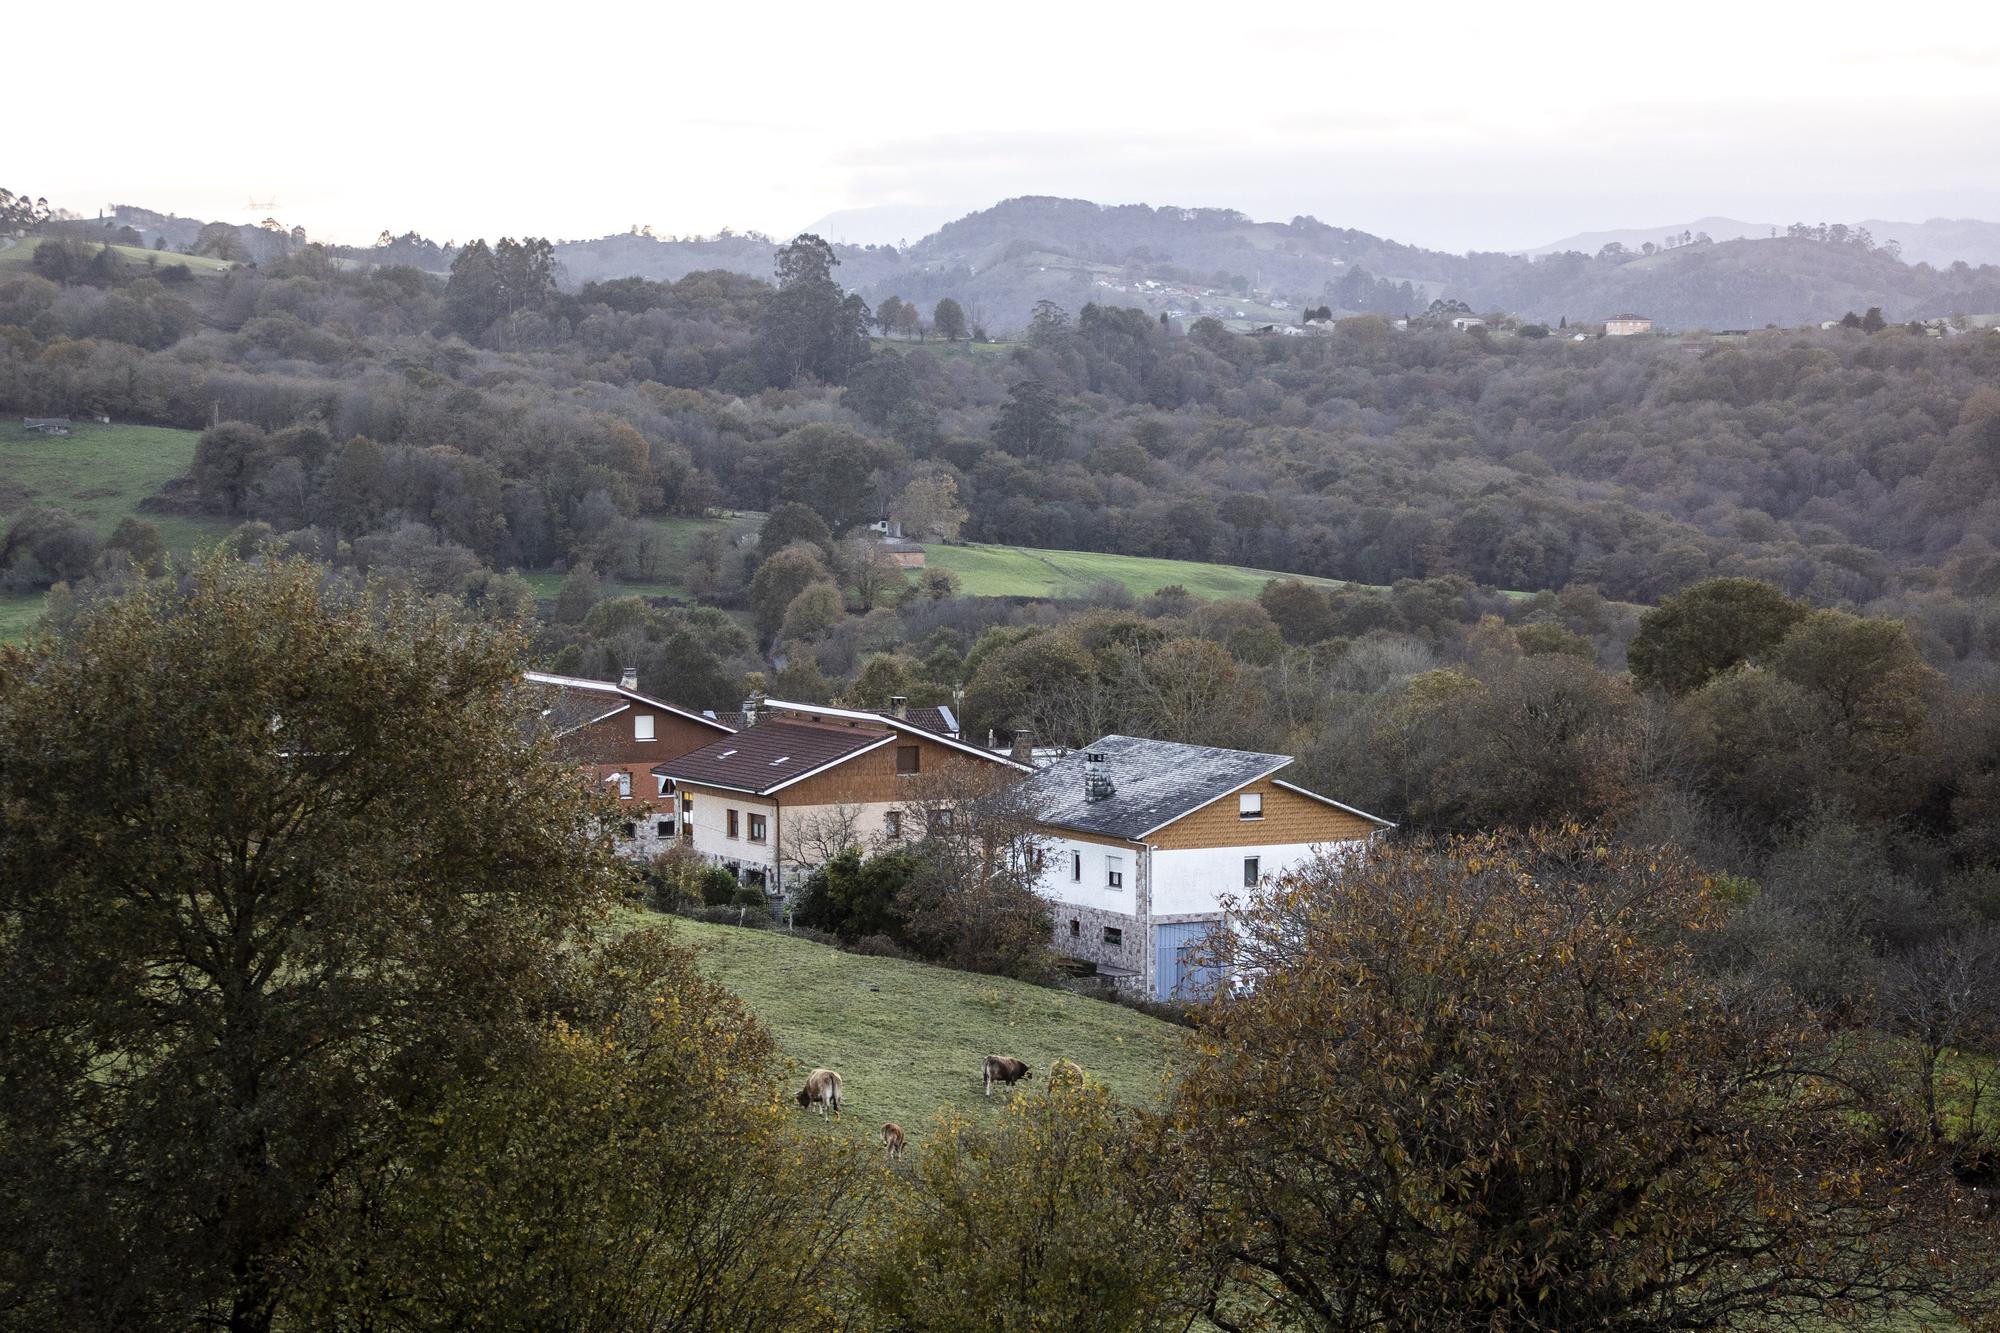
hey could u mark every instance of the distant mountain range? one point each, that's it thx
(1188, 263)
(1939, 242)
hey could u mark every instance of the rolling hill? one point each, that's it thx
(908, 1037)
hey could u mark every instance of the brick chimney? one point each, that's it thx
(628, 678)
(1022, 751)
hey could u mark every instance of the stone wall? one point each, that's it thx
(1087, 941)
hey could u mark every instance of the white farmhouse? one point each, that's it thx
(1142, 840)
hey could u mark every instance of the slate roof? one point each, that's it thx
(1157, 782)
(770, 755)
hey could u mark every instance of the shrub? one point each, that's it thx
(673, 880)
(717, 886)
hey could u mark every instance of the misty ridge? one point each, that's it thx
(1708, 273)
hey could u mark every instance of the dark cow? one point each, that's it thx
(893, 1140)
(822, 1090)
(1003, 1069)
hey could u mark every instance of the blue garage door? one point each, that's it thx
(1177, 976)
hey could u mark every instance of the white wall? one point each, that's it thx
(1055, 883)
(1193, 881)
(711, 824)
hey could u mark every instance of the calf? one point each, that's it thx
(1065, 1071)
(892, 1139)
(1003, 1069)
(822, 1090)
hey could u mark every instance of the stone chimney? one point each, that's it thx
(1022, 751)
(1097, 784)
(628, 678)
(899, 705)
(750, 706)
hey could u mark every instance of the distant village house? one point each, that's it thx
(1627, 326)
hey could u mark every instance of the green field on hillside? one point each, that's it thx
(1020, 571)
(907, 1038)
(100, 474)
(22, 254)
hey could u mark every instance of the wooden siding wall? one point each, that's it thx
(872, 777)
(1288, 818)
(610, 742)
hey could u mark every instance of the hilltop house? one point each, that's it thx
(1627, 326)
(1144, 839)
(46, 425)
(617, 735)
(797, 782)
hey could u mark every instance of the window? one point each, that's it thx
(909, 759)
(1250, 805)
(1114, 937)
(729, 823)
(1076, 867)
(663, 780)
(943, 817)
(642, 727)
(756, 828)
(892, 824)
(624, 786)
(1114, 873)
(1075, 928)
(666, 828)
(1250, 873)
(631, 832)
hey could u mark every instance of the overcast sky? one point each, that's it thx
(1490, 126)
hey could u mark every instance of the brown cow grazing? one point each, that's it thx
(1003, 1069)
(1065, 1071)
(893, 1140)
(822, 1089)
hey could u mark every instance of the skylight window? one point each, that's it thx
(725, 754)
(781, 759)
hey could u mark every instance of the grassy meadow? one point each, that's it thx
(100, 474)
(1021, 571)
(907, 1037)
(22, 254)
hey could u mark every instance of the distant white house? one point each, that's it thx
(1627, 326)
(1466, 323)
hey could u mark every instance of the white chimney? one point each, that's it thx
(750, 711)
(628, 678)
(899, 705)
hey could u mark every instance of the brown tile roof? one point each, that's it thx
(937, 718)
(578, 701)
(769, 755)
